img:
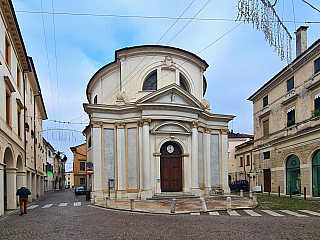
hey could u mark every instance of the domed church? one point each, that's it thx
(151, 130)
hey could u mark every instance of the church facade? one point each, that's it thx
(151, 131)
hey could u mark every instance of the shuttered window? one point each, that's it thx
(266, 127)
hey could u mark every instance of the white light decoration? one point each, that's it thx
(262, 15)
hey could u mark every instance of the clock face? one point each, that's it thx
(170, 149)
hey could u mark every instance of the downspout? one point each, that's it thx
(24, 119)
(34, 131)
(120, 77)
(244, 167)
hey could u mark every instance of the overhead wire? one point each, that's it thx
(311, 5)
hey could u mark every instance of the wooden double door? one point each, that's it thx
(171, 167)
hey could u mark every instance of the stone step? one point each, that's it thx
(171, 195)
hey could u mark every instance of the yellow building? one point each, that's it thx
(286, 149)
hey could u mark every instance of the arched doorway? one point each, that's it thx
(171, 167)
(293, 175)
(316, 174)
(9, 180)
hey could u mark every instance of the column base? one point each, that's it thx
(196, 191)
(207, 191)
(146, 194)
(122, 194)
(99, 195)
(226, 189)
(157, 191)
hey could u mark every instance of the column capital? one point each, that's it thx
(145, 121)
(207, 130)
(224, 131)
(96, 124)
(119, 125)
(194, 124)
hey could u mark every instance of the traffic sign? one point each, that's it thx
(89, 171)
(89, 165)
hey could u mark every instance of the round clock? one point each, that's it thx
(170, 149)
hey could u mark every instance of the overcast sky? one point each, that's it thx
(67, 49)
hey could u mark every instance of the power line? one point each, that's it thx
(311, 5)
(147, 17)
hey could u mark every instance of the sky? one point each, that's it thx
(67, 49)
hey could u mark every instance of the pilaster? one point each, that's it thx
(207, 159)
(146, 192)
(194, 160)
(121, 160)
(224, 159)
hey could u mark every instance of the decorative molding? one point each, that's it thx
(290, 99)
(194, 124)
(9, 87)
(96, 124)
(207, 130)
(145, 121)
(19, 103)
(119, 125)
(224, 131)
(156, 154)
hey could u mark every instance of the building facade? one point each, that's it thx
(49, 153)
(69, 179)
(239, 164)
(151, 130)
(59, 167)
(80, 165)
(287, 124)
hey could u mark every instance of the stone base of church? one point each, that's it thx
(196, 191)
(99, 195)
(146, 194)
(226, 189)
(122, 194)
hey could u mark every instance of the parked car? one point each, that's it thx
(239, 185)
(80, 191)
(66, 187)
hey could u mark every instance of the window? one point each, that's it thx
(266, 127)
(19, 123)
(183, 84)
(265, 101)
(68, 178)
(18, 78)
(317, 65)
(291, 116)
(31, 95)
(82, 181)
(241, 161)
(95, 100)
(8, 53)
(316, 112)
(89, 142)
(248, 160)
(266, 155)
(290, 84)
(151, 82)
(8, 107)
(82, 166)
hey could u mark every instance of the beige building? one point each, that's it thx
(286, 149)
(35, 113)
(151, 130)
(16, 74)
(49, 154)
(59, 170)
(69, 179)
(80, 165)
(239, 165)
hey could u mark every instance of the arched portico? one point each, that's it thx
(10, 171)
(293, 175)
(20, 175)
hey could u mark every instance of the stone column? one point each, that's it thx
(224, 159)
(11, 188)
(1, 189)
(207, 160)
(33, 186)
(140, 147)
(96, 136)
(121, 161)
(158, 184)
(21, 180)
(146, 192)
(194, 160)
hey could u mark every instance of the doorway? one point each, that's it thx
(316, 174)
(267, 180)
(171, 167)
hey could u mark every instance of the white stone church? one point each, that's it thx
(151, 130)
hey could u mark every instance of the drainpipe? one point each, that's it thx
(244, 167)
(24, 119)
(34, 130)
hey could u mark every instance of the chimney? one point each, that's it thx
(301, 40)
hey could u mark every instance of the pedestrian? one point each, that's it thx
(23, 193)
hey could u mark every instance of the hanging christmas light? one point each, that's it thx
(262, 15)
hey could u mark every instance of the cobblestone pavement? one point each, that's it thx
(67, 219)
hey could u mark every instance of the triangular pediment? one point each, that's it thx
(171, 94)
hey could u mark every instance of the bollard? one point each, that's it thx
(254, 197)
(94, 198)
(241, 193)
(290, 193)
(269, 193)
(250, 193)
(278, 191)
(203, 205)
(132, 204)
(251, 202)
(229, 204)
(305, 193)
(173, 205)
(107, 202)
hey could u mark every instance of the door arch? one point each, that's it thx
(293, 175)
(171, 167)
(316, 174)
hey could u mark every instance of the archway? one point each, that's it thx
(293, 175)
(316, 174)
(9, 181)
(171, 167)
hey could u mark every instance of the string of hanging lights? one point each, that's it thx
(262, 15)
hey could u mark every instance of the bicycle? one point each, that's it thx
(216, 191)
